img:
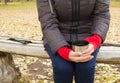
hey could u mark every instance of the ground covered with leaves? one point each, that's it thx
(23, 23)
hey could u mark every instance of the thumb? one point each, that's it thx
(89, 50)
(77, 54)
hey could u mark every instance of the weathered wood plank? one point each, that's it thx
(107, 54)
(34, 50)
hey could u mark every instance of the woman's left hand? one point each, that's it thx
(88, 51)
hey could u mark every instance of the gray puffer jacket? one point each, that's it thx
(72, 20)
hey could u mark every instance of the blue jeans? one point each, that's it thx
(64, 71)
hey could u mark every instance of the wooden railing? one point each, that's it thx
(109, 53)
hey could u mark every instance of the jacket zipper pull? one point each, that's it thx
(51, 7)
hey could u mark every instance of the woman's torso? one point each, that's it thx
(75, 18)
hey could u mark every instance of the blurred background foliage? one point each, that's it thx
(31, 3)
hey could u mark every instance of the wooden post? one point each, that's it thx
(8, 72)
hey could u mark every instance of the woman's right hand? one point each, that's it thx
(77, 57)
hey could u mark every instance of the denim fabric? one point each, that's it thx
(64, 71)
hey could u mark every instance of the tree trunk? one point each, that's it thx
(8, 72)
(6, 2)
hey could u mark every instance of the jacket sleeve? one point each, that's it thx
(49, 24)
(101, 18)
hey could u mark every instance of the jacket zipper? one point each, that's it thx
(75, 20)
(50, 5)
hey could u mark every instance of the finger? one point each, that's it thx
(77, 54)
(86, 52)
(73, 54)
(89, 50)
(83, 59)
(87, 59)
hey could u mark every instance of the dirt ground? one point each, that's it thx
(113, 33)
(25, 24)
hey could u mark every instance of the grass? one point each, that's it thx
(32, 4)
(18, 5)
(115, 4)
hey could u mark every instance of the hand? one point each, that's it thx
(89, 50)
(78, 57)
